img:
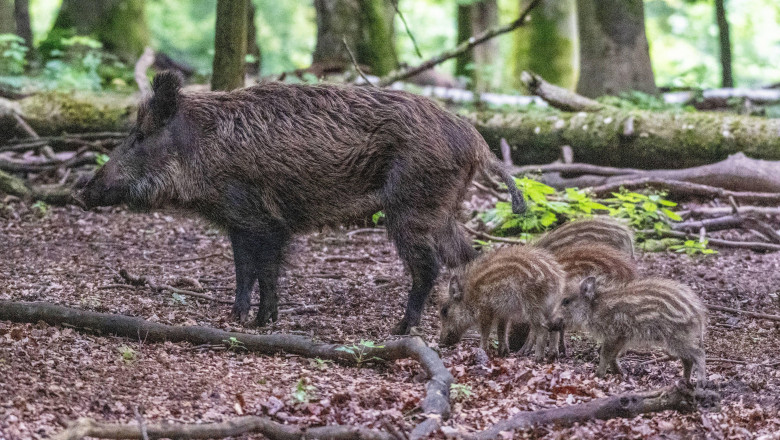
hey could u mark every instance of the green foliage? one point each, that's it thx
(127, 353)
(459, 392)
(13, 54)
(101, 159)
(548, 208)
(303, 393)
(360, 351)
(693, 248)
(234, 344)
(642, 211)
(178, 299)
(40, 208)
(377, 217)
(80, 63)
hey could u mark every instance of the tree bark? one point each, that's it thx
(725, 43)
(252, 46)
(367, 27)
(7, 21)
(119, 24)
(22, 18)
(230, 44)
(549, 45)
(479, 63)
(614, 54)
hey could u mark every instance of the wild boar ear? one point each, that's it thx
(456, 291)
(588, 287)
(165, 101)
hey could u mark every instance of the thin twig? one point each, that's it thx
(406, 26)
(752, 245)
(744, 312)
(25, 126)
(204, 257)
(141, 423)
(459, 49)
(366, 231)
(355, 63)
(487, 236)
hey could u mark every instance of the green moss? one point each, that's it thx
(55, 113)
(377, 50)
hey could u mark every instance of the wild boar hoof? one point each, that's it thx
(239, 313)
(266, 314)
(402, 328)
(503, 350)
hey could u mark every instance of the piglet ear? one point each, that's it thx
(456, 290)
(588, 288)
(165, 101)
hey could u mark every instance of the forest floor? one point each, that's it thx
(50, 375)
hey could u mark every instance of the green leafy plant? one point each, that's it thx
(127, 353)
(234, 344)
(13, 54)
(360, 350)
(642, 211)
(101, 159)
(460, 392)
(40, 208)
(693, 248)
(178, 299)
(303, 393)
(321, 364)
(377, 217)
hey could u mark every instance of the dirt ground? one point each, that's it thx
(49, 376)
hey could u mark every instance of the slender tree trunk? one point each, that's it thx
(22, 18)
(367, 28)
(7, 22)
(464, 62)
(725, 43)
(549, 45)
(614, 54)
(230, 44)
(252, 47)
(119, 24)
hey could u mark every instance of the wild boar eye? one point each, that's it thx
(444, 311)
(566, 302)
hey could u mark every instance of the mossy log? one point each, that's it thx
(630, 138)
(609, 136)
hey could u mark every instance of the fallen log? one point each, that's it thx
(435, 406)
(86, 427)
(624, 406)
(626, 138)
(752, 245)
(737, 172)
(53, 195)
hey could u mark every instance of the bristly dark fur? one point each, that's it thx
(273, 160)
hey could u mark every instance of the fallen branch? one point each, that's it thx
(752, 245)
(744, 312)
(143, 64)
(711, 224)
(86, 427)
(459, 49)
(558, 97)
(679, 189)
(576, 168)
(52, 195)
(37, 167)
(622, 406)
(707, 211)
(435, 406)
(487, 236)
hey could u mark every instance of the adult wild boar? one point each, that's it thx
(274, 160)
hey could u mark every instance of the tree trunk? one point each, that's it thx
(464, 63)
(614, 55)
(7, 22)
(549, 45)
(230, 44)
(22, 18)
(725, 43)
(479, 64)
(119, 24)
(367, 28)
(252, 46)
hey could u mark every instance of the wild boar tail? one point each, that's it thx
(498, 168)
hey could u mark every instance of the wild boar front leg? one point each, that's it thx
(503, 337)
(257, 257)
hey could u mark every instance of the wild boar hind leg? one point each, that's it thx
(257, 257)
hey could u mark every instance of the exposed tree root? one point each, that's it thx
(85, 427)
(626, 406)
(435, 406)
(679, 189)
